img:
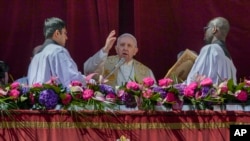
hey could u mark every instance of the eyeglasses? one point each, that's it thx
(206, 27)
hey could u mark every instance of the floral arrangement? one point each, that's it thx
(147, 95)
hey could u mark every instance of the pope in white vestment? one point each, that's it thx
(117, 75)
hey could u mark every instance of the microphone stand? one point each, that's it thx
(121, 62)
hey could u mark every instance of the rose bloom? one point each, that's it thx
(148, 81)
(87, 94)
(14, 94)
(247, 82)
(165, 82)
(132, 85)
(76, 83)
(241, 95)
(15, 85)
(206, 82)
(188, 92)
(67, 99)
(147, 93)
(170, 97)
(193, 85)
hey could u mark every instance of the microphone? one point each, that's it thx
(120, 62)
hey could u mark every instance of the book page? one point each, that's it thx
(183, 66)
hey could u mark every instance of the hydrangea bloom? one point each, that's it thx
(48, 98)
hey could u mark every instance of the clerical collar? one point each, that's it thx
(46, 42)
(222, 44)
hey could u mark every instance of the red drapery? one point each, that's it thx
(163, 28)
(109, 126)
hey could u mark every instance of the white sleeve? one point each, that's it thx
(95, 63)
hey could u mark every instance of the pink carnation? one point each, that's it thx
(165, 82)
(148, 81)
(14, 94)
(206, 82)
(241, 95)
(147, 93)
(67, 99)
(132, 85)
(87, 94)
(15, 85)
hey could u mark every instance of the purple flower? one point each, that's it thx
(130, 101)
(161, 91)
(48, 98)
(106, 89)
(205, 90)
(180, 88)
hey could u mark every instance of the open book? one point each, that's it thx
(183, 66)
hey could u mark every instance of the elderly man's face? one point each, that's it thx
(126, 48)
(208, 35)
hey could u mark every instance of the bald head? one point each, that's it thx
(221, 24)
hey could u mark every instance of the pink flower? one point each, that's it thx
(241, 95)
(52, 80)
(247, 82)
(14, 94)
(189, 92)
(147, 93)
(110, 97)
(165, 82)
(15, 85)
(120, 93)
(37, 85)
(76, 83)
(148, 81)
(87, 94)
(198, 95)
(66, 99)
(193, 85)
(170, 97)
(2, 92)
(223, 89)
(132, 85)
(206, 82)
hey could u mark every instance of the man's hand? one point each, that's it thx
(109, 41)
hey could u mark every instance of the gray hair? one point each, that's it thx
(127, 35)
(51, 25)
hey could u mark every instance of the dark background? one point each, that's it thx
(162, 27)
